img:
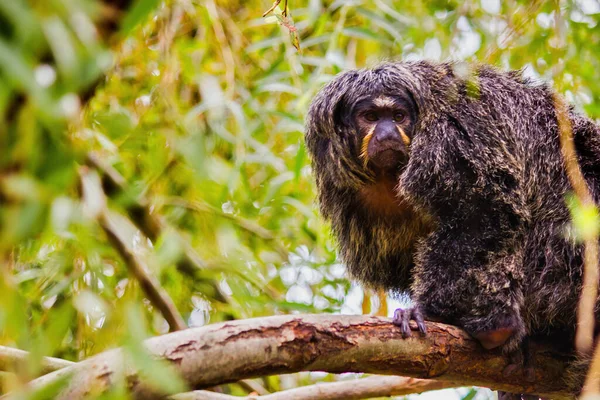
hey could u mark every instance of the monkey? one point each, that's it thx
(451, 186)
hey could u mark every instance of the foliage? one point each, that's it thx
(202, 114)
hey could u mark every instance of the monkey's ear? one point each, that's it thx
(342, 114)
(330, 111)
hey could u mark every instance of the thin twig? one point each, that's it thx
(512, 32)
(592, 379)
(356, 389)
(584, 336)
(252, 386)
(91, 190)
(589, 292)
(270, 10)
(245, 224)
(153, 225)
(150, 285)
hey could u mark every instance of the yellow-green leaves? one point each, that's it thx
(585, 219)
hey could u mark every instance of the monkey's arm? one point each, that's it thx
(468, 271)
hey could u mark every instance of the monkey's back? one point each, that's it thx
(552, 258)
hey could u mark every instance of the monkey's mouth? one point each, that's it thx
(389, 155)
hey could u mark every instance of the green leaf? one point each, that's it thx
(585, 218)
(154, 372)
(470, 395)
(137, 14)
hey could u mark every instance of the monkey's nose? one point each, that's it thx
(386, 131)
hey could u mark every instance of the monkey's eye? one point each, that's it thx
(399, 117)
(371, 116)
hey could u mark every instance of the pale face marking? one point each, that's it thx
(404, 136)
(384, 102)
(364, 153)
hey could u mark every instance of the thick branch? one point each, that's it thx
(228, 352)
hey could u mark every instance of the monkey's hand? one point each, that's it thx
(402, 319)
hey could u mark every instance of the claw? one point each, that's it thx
(417, 315)
(402, 319)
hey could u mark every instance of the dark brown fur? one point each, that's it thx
(479, 233)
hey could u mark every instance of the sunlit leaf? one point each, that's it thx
(137, 14)
(153, 372)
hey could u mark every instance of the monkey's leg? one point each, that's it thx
(468, 278)
(402, 319)
(521, 360)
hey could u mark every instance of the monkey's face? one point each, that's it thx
(385, 125)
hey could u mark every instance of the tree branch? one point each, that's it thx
(355, 389)
(150, 223)
(11, 359)
(95, 200)
(150, 285)
(235, 350)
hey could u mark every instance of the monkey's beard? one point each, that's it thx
(389, 160)
(389, 156)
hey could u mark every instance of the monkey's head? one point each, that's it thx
(384, 124)
(361, 125)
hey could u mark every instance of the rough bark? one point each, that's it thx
(228, 352)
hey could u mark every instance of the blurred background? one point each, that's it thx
(169, 134)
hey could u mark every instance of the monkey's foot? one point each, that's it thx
(402, 319)
(521, 359)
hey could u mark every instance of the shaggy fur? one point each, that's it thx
(480, 235)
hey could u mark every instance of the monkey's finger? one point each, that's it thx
(417, 315)
(397, 319)
(406, 331)
(402, 319)
(405, 328)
